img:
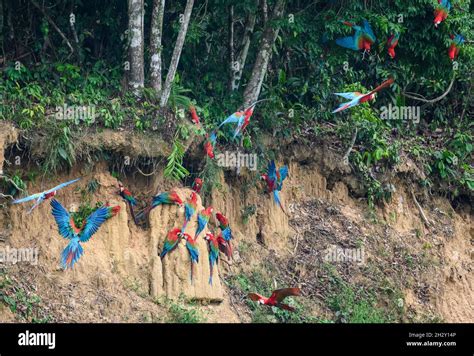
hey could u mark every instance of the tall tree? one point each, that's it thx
(270, 34)
(155, 44)
(135, 28)
(178, 47)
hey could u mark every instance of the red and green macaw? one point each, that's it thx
(241, 118)
(441, 12)
(47, 194)
(171, 241)
(274, 179)
(210, 144)
(213, 244)
(362, 39)
(162, 198)
(194, 115)
(189, 209)
(203, 218)
(191, 246)
(277, 297)
(226, 232)
(454, 48)
(392, 42)
(70, 231)
(128, 197)
(224, 246)
(197, 185)
(357, 98)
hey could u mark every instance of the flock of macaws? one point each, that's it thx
(363, 38)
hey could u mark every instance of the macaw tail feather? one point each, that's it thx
(71, 253)
(229, 250)
(144, 212)
(276, 195)
(184, 226)
(210, 272)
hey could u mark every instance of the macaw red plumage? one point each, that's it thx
(224, 246)
(189, 209)
(40, 197)
(357, 98)
(203, 218)
(70, 231)
(128, 197)
(197, 185)
(213, 244)
(362, 39)
(441, 12)
(226, 232)
(455, 47)
(162, 198)
(194, 115)
(275, 300)
(274, 179)
(171, 241)
(392, 42)
(241, 118)
(210, 144)
(191, 246)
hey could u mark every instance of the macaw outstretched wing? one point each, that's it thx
(348, 42)
(345, 106)
(93, 222)
(283, 174)
(28, 198)
(63, 220)
(271, 171)
(368, 31)
(349, 95)
(62, 185)
(235, 117)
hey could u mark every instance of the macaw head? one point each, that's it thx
(187, 237)
(121, 188)
(264, 177)
(261, 301)
(209, 236)
(175, 197)
(197, 185)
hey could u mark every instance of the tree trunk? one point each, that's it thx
(178, 47)
(270, 33)
(135, 28)
(232, 68)
(155, 44)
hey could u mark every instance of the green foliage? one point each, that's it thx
(174, 168)
(83, 213)
(181, 313)
(60, 150)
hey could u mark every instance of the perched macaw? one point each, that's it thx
(357, 98)
(203, 218)
(40, 197)
(194, 115)
(193, 252)
(162, 198)
(197, 185)
(189, 210)
(276, 298)
(392, 42)
(224, 246)
(441, 11)
(213, 244)
(362, 39)
(242, 118)
(226, 233)
(456, 43)
(128, 197)
(274, 179)
(68, 229)
(171, 241)
(210, 144)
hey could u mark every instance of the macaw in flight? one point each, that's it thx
(210, 144)
(191, 246)
(454, 48)
(40, 197)
(171, 241)
(68, 229)
(189, 209)
(194, 115)
(203, 218)
(226, 232)
(276, 298)
(241, 118)
(197, 185)
(362, 39)
(392, 42)
(441, 11)
(129, 199)
(274, 179)
(159, 199)
(213, 244)
(357, 98)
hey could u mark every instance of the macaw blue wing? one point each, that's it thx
(193, 251)
(213, 137)
(283, 173)
(28, 198)
(368, 31)
(188, 211)
(446, 4)
(459, 39)
(63, 220)
(348, 42)
(93, 222)
(345, 106)
(349, 95)
(272, 171)
(239, 127)
(227, 234)
(61, 186)
(231, 119)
